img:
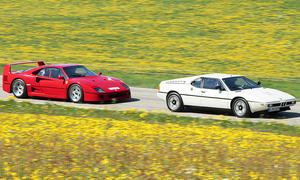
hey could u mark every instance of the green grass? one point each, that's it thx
(147, 80)
(145, 42)
(52, 109)
(257, 38)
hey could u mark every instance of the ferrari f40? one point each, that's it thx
(62, 81)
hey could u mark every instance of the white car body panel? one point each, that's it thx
(257, 98)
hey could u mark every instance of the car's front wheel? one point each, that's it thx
(240, 108)
(19, 88)
(174, 102)
(75, 93)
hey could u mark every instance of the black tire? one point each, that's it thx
(240, 108)
(75, 93)
(19, 88)
(174, 102)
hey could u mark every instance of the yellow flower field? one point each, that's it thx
(257, 38)
(60, 147)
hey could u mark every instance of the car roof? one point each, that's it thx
(192, 78)
(62, 65)
(219, 75)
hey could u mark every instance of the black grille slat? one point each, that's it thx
(288, 103)
(283, 104)
(277, 104)
(117, 95)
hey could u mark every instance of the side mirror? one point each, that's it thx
(61, 78)
(220, 88)
(258, 83)
(99, 73)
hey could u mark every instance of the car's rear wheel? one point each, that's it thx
(240, 108)
(174, 102)
(19, 88)
(75, 93)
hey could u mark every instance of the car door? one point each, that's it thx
(37, 90)
(213, 94)
(192, 96)
(48, 84)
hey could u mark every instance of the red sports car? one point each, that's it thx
(63, 81)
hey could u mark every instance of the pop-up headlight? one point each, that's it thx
(127, 87)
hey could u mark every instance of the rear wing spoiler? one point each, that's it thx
(7, 67)
(7, 71)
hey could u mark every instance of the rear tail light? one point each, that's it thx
(4, 78)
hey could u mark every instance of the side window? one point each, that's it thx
(221, 84)
(212, 83)
(62, 74)
(56, 72)
(44, 72)
(197, 83)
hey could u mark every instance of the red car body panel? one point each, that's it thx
(41, 86)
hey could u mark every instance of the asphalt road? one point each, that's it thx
(146, 99)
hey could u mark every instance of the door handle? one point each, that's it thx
(203, 91)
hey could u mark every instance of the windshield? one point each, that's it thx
(78, 71)
(240, 83)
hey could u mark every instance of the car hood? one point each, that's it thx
(108, 84)
(265, 95)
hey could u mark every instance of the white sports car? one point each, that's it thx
(236, 93)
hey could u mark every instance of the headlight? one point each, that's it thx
(99, 90)
(127, 87)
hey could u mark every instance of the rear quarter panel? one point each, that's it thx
(9, 77)
(8, 80)
(167, 87)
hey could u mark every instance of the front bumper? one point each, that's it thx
(107, 96)
(271, 106)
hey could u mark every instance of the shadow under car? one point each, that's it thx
(266, 115)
